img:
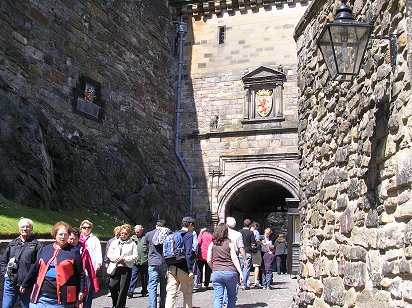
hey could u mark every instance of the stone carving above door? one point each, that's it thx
(263, 94)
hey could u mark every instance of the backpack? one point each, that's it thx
(160, 235)
(173, 248)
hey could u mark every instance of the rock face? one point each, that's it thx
(52, 157)
(355, 172)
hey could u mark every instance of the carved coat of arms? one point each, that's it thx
(264, 102)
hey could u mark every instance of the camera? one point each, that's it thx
(12, 265)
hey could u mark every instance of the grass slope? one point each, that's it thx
(43, 220)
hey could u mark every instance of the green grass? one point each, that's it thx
(43, 220)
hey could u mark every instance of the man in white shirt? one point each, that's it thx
(235, 237)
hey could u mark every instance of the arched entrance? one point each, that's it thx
(259, 193)
(261, 201)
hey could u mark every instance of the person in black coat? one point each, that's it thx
(15, 263)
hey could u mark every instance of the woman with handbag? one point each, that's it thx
(122, 253)
(57, 275)
(222, 258)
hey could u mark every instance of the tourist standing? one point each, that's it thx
(264, 248)
(222, 258)
(116, 232)
(74, 240)
(180, 274)
(106, 260)
(236, 237)
(140, 266)
(248, 240)
(281, 252)
(57, 276)
(157, 268)
(204, 240)
(15, 263)
(122, 255)
(268, 260)
(256, 255)
(92, 244)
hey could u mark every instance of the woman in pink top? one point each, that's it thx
(204, 239)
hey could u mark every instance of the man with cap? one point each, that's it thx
(180, 274)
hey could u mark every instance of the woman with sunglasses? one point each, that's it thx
(92, 244)
(122, 254)
(57, 276)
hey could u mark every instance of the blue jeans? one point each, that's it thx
(245, 270)
(139, 271)
(224, 280)
(281, 264)
(11, 292)
(157, 274)
(45, 302)
(87, 301)
(267, 278)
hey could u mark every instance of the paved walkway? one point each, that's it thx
(280, 297)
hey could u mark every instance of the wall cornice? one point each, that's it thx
(205, 7)
(246, 132)
(310, 14)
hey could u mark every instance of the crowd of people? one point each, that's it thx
(63, 274)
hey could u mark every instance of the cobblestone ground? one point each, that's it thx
(280, 297)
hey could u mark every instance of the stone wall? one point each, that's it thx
(53, 158)
(355, 171)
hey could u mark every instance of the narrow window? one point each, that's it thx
(222, 34)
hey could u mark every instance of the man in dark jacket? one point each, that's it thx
(248, 239)
(157, 268)
(180, 274)
(15, 263)
(140, 266)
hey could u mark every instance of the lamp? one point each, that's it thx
(343, 43)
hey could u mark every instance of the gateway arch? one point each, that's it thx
(258, 193)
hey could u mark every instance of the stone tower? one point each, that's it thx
(356, 167)
(239, 108)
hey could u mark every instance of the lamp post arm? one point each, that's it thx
(392, 45)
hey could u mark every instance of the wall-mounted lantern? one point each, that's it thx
(343, 43)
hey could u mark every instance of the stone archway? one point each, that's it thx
(243, 192)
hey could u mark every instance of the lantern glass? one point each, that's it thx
(343, 45)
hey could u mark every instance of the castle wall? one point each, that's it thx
(54, 156)
(355, 172)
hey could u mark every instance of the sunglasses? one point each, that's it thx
(86, 227)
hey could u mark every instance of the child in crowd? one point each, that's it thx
(268, 259)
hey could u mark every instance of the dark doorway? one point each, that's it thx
(263, 202)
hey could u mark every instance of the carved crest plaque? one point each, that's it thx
(264, 102)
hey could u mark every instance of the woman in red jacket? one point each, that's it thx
(204, 239)
(74, 240)
(57, 276)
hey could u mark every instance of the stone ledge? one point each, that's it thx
(200, 8)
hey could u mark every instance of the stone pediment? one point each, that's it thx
(263, 75)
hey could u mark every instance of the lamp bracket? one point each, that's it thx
(392, 45)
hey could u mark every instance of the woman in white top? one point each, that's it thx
(122, 254)
(92, 244)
